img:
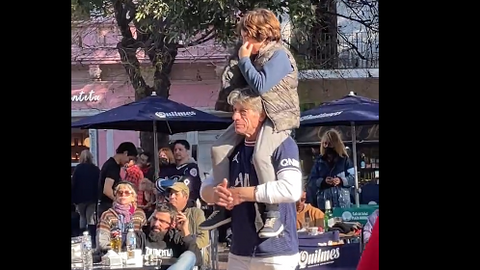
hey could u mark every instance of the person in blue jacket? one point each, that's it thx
(332, 175)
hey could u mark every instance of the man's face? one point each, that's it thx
(178, 199)
(246, 120)
(301, 202)
(161, 222)
(143, 161)
(180, 152)
(125, 158)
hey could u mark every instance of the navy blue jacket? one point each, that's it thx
(318, 191)
(85, 183)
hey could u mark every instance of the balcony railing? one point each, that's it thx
(341, 51)
(98, 43)
(108, 54)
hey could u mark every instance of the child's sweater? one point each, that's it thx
(276, 83)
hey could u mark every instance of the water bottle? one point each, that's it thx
(131, 243)
(328, 216)
(87, 258)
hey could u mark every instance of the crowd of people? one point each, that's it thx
(120, 196)
(256, 182)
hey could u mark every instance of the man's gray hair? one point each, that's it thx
(244, 97)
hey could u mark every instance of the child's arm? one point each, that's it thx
(270, 75)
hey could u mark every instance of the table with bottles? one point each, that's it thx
(83, 256)
(315, 254)
(321, 250)
(98, 266)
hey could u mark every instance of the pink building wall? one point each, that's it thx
(194, 79)
(96, 44)
(119, 136)
(110, 95)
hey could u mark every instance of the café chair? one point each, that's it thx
(213, 250)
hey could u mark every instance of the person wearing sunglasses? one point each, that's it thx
(123, 215)
(169, 234)
(332, 175)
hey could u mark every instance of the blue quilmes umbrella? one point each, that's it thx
(344, 111)
(350, 110)
(154, 114)
(169, 116)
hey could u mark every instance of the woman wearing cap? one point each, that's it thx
(123, 214)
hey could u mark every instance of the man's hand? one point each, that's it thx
(336, 181)
(245, 50)
(182, 223)
(236, 198)
(222, 194)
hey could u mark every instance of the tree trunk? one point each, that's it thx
(161, 81)
(161, 84)
(161, 55)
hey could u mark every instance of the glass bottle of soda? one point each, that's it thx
(328, 216)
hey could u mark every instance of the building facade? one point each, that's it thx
(99, 83)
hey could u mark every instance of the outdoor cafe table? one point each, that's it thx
(315, 257)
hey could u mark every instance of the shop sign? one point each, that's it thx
(86, 97)
(357, 214)
(163, 115)
(321, 256)
(341, 257)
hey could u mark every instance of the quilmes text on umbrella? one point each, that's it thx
(164, 115)
(322, 115)
(82, 97)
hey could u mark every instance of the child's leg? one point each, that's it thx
(221, 150)
(267, 142)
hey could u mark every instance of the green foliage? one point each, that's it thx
(184, 20)
(82, 9)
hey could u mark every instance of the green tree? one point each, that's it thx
(164, 26)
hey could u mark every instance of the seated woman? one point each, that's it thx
(123, 214)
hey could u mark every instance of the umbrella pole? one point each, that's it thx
(355, 169)
(155, 149)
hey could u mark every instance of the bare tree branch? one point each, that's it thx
(208, 35)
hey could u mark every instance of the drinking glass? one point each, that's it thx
(116, 244)
(306, 224)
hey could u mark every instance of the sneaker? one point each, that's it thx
(218, 218)
(272, 226)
